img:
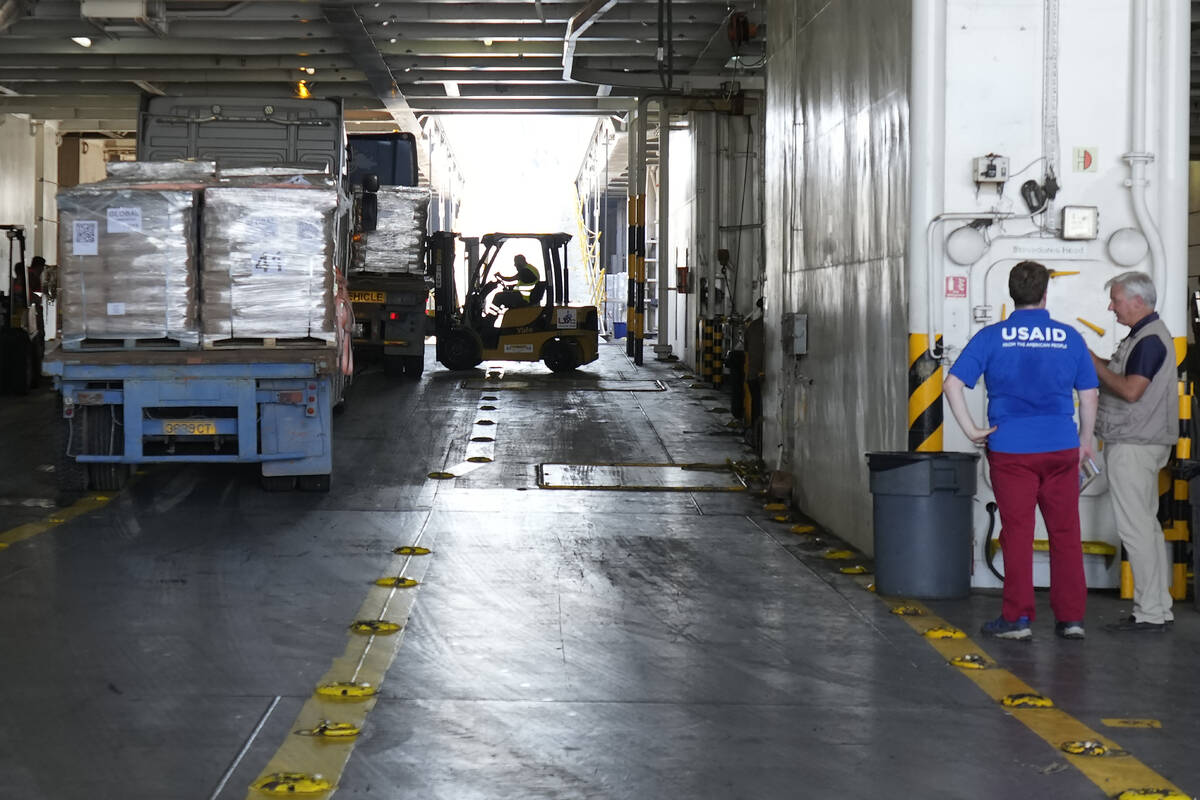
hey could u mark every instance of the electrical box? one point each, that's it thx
(795, 334)
(1080, 222)
(990, 169)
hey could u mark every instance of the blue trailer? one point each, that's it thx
(271, 406)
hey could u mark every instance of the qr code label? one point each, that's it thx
(84, 237)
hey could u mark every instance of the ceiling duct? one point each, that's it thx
(126, 17)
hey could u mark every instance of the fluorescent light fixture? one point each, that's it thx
(82, 41)
(487, 42)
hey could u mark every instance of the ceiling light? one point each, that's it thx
(451, 88)
(82, 41)
(310, 70)
(384, 23)
(392, 40)
(302, 90)
(487, 42)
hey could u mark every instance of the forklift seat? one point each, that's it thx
(538, 292)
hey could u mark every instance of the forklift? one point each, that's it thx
(512, 310)
(21, 338)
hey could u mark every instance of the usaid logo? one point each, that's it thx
(1022, 333)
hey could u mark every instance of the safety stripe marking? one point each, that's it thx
(366, 659)
(1055, 726)
(82, 506)
(479, 454)
(924, 396)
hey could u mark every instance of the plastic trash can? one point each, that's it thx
(619, 330)
(922, 518)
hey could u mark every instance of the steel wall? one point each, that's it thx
(837, 222)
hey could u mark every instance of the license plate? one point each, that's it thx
(190, 427)
(368, 297)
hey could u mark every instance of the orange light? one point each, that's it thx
(302, 90)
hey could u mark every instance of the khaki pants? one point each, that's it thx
(1133, 480)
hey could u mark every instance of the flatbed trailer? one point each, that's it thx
(267, 405)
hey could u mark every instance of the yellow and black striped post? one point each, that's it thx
(718, 351)
(634, 234)
(924, 395)
(706, 350)
(1179, 534)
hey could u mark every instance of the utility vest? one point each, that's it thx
(1154, 418)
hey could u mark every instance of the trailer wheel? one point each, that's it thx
(460, 349)
(278, 483)
(393, 366)
(561, 355)
(71, 476)
(101, 436)
(414, 366)
(313, 483)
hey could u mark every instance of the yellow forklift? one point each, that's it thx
(514, 309)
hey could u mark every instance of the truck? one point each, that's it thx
(225, 390)
(390, 300)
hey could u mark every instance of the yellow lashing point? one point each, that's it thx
(970, 661)
(1026, 700)
(857, 569)
(334, 731)
(1086, 747)
(803, 528)
(837, 555)
(924, 395)
(908, 611)
(396, 582)
(374, 627)
(286, 784)
(346, 690)
(409, 550)
(943, 632)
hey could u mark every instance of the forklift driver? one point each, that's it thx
(512, 291)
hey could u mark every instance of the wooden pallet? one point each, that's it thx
(271, 342)
(131, 343)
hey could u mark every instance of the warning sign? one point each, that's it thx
(956, 286)
(1085, 159)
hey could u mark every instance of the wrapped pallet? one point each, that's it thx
(127, 256)
(269, 259)
(396, 244)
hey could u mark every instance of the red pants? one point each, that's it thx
(1049, 481)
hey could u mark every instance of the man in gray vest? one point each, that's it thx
(1138, 420)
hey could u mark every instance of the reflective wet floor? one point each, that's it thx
(577, 630)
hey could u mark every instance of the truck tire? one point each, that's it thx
(313, 483)
(460, 349)
(561, 355)
(100, 438)
(71, 476)
(278, 483)
(414, 366)
(393, 366)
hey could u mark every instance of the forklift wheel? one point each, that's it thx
(460, 349)
(561, 355)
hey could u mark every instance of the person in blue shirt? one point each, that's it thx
(1032, 365)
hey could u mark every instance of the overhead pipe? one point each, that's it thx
(1139, 157)
(585, 17)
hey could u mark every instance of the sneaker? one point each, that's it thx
(1069, 630)
(1130, 624)
(1001, 628)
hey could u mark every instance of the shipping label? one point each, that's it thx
(125, 220)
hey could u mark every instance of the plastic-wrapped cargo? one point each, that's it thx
(127, 263)
(269, 260)
(160, 171)
(395, 246)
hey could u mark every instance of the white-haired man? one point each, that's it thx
(1138, 420)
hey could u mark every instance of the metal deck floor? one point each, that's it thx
(561, 644)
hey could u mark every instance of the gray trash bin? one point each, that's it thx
(922, 516)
